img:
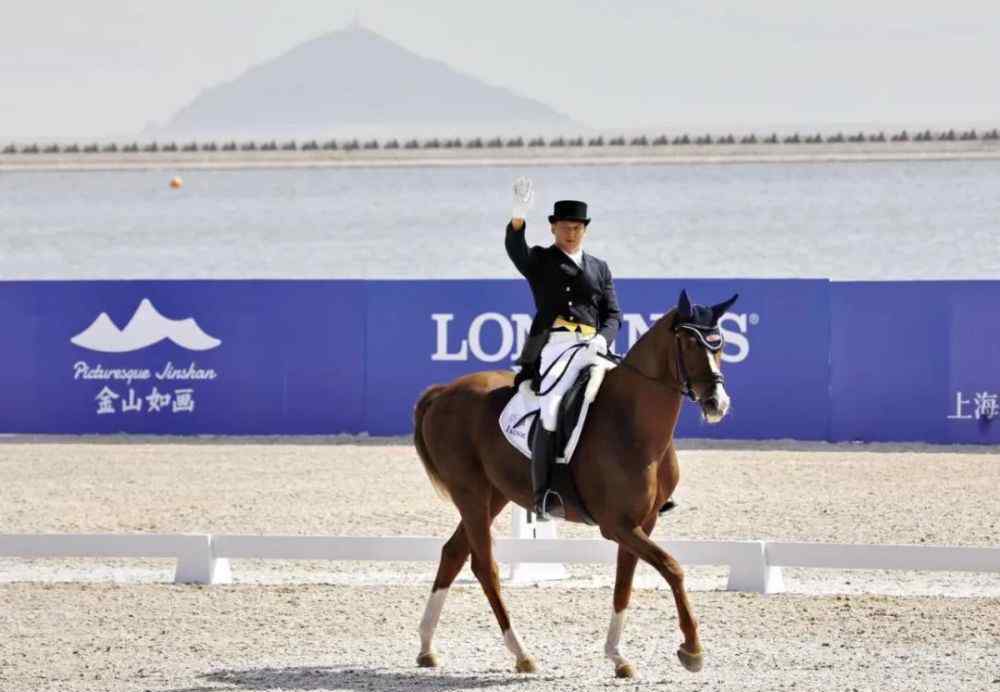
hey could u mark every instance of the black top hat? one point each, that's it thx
(569, 210)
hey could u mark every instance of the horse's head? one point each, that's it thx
(699, 355)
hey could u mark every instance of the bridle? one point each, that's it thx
(711, 338)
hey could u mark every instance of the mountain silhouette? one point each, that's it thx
(354, 81)
(146, 328)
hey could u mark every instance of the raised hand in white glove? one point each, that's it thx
(598, 345)
(524, 197)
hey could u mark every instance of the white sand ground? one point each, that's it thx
(120, 625)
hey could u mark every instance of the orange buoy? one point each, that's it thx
(176, 183)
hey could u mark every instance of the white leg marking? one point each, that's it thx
(514, 644)
(428, 623)
(612, 645)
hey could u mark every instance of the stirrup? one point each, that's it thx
(538, 509)
(541, 513)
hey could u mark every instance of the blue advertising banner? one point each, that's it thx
(776, 355)
(916, 361)
(182, 357)
(804, 359)
(426, 332)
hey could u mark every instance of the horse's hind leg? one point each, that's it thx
(454, 553)
(476, 520)
(636, 541)
(623, 592)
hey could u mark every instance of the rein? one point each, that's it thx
(575, 348)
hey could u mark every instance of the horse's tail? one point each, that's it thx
(424, 403)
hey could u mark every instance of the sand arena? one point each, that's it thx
(120, 625)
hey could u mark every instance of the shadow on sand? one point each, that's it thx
(351, 678)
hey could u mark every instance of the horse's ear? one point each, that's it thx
(684, 306)
(719, 310)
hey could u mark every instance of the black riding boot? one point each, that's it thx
(542, 451)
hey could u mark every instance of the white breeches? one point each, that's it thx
(565, 364)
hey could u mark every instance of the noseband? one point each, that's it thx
(710, 338)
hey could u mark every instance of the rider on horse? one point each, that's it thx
(576, 305)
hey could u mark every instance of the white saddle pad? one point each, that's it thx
(521, 411)
(517, 417)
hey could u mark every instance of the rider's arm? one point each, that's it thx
(524, 259)
(611, 314)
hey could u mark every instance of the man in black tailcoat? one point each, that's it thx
(575, 305)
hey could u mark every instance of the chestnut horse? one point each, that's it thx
(625, 467)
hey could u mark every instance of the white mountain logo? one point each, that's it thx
(146, 328)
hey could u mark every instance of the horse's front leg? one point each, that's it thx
(627, 561)
(636, 540)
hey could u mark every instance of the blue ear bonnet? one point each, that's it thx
(704, 325)
(702, 316)
(703, 321)
(710, 337)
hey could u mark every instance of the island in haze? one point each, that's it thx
(356, 82)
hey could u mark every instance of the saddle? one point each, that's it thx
(563, 494)
(520, 418)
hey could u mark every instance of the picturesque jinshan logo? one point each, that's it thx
(141, 389)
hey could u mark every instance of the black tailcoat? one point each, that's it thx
(563, 289)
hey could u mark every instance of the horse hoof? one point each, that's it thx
(692, 662)
(625, 670)
(526, 665)
(427, 661)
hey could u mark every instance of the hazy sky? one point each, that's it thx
(105, 68)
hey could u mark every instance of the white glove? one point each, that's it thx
(598, 345)
(524, 197)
